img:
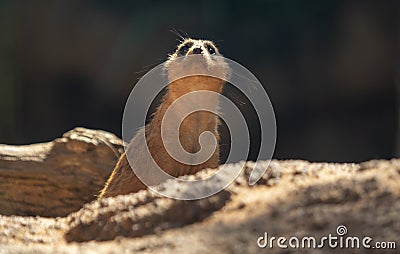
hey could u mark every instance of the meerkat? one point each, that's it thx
(123, 179)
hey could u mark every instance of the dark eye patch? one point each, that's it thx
(185, 48)
(210, 49)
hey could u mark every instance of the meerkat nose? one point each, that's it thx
(197, 51)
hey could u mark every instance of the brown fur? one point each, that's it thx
(123, 180)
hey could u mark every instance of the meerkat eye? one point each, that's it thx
(211, 49)
(184, 49)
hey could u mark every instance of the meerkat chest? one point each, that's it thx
(195, 125)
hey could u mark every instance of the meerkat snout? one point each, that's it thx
(196, 47)
(197, 51)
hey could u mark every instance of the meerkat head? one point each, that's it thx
(195, 47)
(196, 59)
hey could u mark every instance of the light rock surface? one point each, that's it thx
(294, 198)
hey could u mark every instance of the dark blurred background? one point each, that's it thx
(328, 66)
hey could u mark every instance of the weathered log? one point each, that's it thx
(56, 178)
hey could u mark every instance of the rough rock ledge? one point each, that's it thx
(294, 198)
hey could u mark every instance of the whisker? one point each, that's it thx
(187, 35)
(174, 31)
